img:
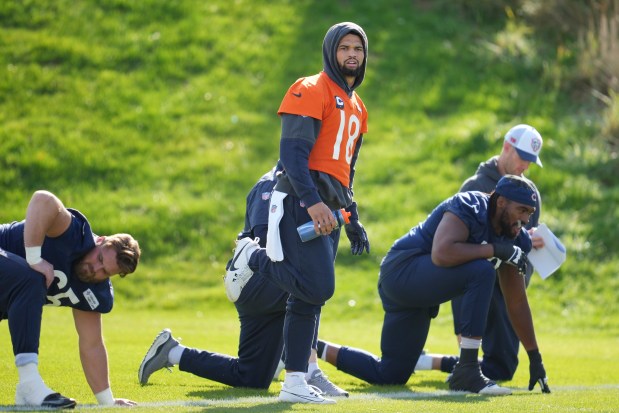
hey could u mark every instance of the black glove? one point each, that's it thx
(512, 255)
(357, 236)
(537, 372)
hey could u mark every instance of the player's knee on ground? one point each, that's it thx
(395, 376)
(261, 382)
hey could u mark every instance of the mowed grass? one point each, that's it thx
(156, 118)
(581, 366)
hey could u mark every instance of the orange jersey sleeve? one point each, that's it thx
(343, 120)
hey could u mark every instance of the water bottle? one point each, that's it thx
(306, 231)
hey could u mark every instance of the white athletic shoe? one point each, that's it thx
(36, 393)
(493, 389)
(238, 272)
(322, 382)
(303, 393)
(156, 357)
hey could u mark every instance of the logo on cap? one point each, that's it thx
(527, 141)
(536, 145)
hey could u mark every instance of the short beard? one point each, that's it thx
(350, 72)
(82, 275)
(506, 228)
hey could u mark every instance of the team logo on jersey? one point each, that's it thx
(266, 195)
(339, 103)
(91, 299)
(302, 204)
(273, 209)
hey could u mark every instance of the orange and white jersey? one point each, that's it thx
(343, 120)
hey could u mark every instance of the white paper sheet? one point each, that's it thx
(548, 259)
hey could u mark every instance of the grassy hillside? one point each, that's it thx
(156, 117)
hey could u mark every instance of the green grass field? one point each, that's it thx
(156, 117)
(582, 371)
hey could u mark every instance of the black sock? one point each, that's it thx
(321, 349)
(468, 355)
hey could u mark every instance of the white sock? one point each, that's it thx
(470, 343)
(28, 372)
(31, 386)
(174, 356)
(424, 363)
(311, 368)
(294, 379)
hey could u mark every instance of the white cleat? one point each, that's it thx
(238, 272)
(303, 393)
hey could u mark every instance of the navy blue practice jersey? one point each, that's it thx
(66, 289)
(258, 201)
(472, 208)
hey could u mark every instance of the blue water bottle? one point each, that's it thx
(307, 233)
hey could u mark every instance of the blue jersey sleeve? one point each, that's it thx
(472, 209)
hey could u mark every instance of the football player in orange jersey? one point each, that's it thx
(323, 122)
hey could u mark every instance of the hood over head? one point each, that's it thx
(329, 53)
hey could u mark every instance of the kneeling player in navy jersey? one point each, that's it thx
(454, 252)
(54, 258)
(261, 307)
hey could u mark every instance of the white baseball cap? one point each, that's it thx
(527, 141)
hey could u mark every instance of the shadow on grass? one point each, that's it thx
(264, 401)
(436, 390)
(241, 399)
(266, 407)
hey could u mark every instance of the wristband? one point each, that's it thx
(352, 208)
(33, 255)
(534, 356)
(105, 397)
(503, 251)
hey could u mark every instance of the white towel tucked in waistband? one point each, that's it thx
(276, 212)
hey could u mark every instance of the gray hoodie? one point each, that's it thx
(329, 54)
(309, 185)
